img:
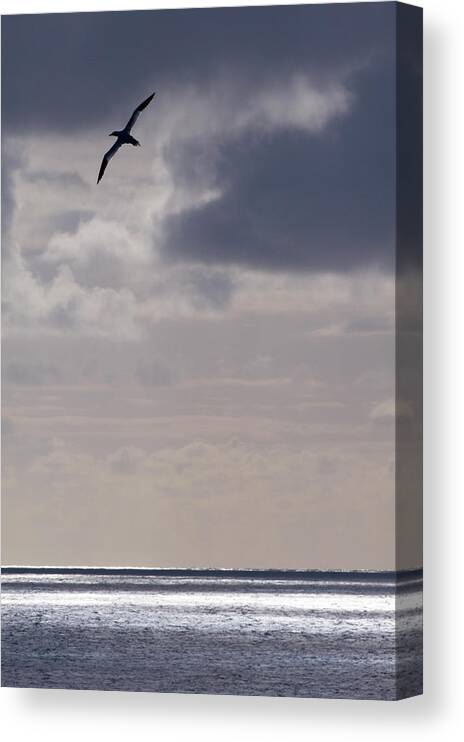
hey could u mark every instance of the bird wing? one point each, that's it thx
(107, 157)
(137, 112)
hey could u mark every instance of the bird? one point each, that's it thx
(124, 136)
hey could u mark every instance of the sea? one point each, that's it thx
(320, 634)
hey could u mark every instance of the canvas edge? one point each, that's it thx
(408, 318)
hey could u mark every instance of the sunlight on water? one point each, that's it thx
(215, 633)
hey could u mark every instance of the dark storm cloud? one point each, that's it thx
(298, 201)
(291, 200)
(410, 143)
(65, 71)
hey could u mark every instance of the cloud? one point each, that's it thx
(63, 305)
(101, 253)
(286, 168)
(12, 162)
(126, 460)
(69, 221)
(154, 373)
(94, 260)
(193, 505)
(62, 179)
(169, 49)
(299, 105)
(209, 288)
(318, 196)
(228, 108)
(30, 374)
(384, 410)
(240, 174)
(335, 303)
(391, 409)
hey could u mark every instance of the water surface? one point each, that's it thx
(250, 632)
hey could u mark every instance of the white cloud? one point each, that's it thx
(95, 237)
(384, 410)
(389, 409)
(63, 305)
(292, 103)
(296, 105)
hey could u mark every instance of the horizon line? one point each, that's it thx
(203, 569)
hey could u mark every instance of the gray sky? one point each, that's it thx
(199, 353)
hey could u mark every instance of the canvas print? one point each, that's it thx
(212, 330)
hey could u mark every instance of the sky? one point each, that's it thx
(198, 354)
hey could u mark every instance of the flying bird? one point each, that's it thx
(124, 136)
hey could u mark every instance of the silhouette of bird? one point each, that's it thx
(124, 136)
